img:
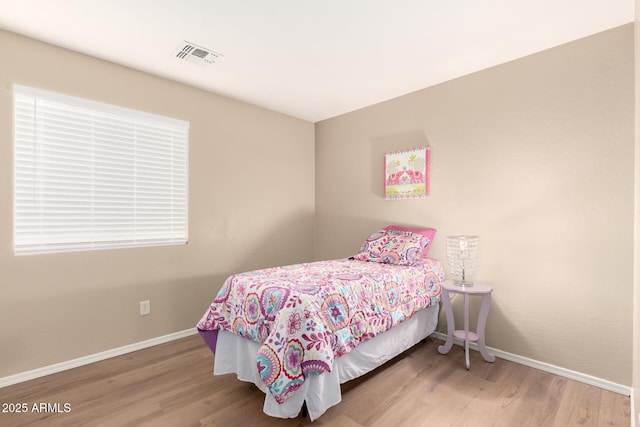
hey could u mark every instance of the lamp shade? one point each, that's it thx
(462, 255)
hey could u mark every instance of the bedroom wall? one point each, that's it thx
(536, 157)
(251, 205)
(635, 415)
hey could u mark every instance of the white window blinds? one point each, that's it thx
(90, 175)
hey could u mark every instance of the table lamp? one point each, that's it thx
(462, 254)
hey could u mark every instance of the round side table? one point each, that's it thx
(480, 289)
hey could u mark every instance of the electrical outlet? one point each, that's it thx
(145, 307)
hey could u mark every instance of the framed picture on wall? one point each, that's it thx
(406, 174)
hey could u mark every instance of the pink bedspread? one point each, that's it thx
(306, 315)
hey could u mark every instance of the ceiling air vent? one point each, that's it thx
(196, 54)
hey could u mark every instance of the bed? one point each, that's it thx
(297, 332)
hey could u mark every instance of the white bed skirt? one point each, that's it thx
(237, 355)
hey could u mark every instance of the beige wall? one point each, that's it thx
(251, 205)
(536, 157)
(636, 307)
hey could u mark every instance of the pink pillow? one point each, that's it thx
(429, 233)
(394, 247)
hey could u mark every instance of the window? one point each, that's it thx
(90, 175)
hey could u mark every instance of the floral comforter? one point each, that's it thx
(306, 315)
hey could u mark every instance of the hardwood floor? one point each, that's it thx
(172, 385)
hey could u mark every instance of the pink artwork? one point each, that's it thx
(406, 174)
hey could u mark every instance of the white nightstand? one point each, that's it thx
(481, 289)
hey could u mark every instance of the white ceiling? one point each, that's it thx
(313, 59)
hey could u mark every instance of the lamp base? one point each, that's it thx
(463, 283)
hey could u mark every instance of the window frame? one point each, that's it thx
(81, 139)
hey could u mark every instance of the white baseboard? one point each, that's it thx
(567, 373)
(81, 361)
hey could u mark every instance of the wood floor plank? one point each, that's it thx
(610, 410)
(172, 385)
